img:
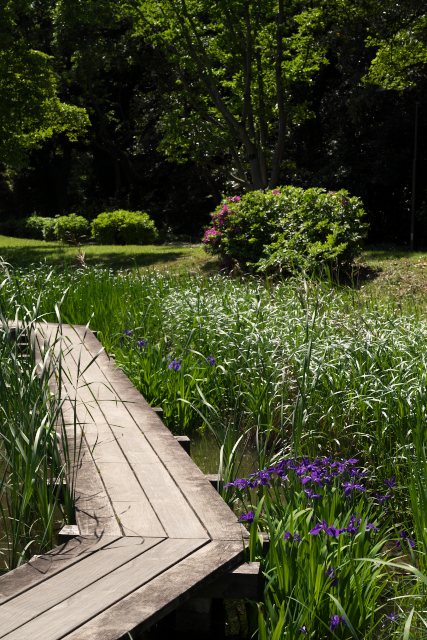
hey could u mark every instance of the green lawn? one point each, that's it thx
(381, 271)
(177, 257)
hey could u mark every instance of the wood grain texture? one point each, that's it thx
(104, 593)
(84, 477)
(117, 477)
(150, 603)
(216, 517)
(49, 564)
(32, 604)
(171, 507)
(121, 481)
(133, 477)
(137, 520)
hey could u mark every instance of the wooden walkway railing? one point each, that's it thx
(152, 531)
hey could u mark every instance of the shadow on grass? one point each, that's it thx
(129, 260)
(26, 255)
(358, 275)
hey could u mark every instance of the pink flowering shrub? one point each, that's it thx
(287, 229)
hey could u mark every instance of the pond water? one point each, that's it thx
(206, 454)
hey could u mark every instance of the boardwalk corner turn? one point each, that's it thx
(152, 534)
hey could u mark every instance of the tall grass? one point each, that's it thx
(35, 451)
(294, 369)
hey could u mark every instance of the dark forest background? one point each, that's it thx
(361, 138)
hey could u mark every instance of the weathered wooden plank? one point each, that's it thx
(147, 419)
(94, 515)
(220, 522)
(185, 443)
(77, 451)
(136, 520)
(165, 497)
(170, 506)
(43, 567)
(215, 515)
(88, 488)
(99, 596)
(32, 604)
(150, 603)
(168, 448)
(119, 482)
(67, 532)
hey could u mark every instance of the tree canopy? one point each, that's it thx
(167, 105)
(235, 69)
(30, 110)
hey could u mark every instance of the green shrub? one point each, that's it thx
(124, 227)
(32, 227)
(287, 229)
(72, 226)
(49, 229)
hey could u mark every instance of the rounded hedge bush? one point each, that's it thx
(67, 228)
(124, 227)
(32, 227)
(287, 229)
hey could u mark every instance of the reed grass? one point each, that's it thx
(298, 369)
(39, 446)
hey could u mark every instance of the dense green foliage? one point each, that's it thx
(64, 228)
(124, 227)
(32, 227)
(32, 432)
(358, 136)
(287, 229)
(236, 67)
(30, 110)
(293, 371)
(71, 228)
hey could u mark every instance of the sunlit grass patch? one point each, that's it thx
(178, 258)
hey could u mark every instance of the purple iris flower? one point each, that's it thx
(356, 473)
(315, 477)
(323, 526)
(354, 524)
(303, 630)
(368, 527)
(331, 574)
(247, 517)
(390, 483)
(175, 364)
(351, 486)
(404, 535)
(210, 360)
(393, 617)
(142, 343)
(240, 483)
(311, 493)
(288, 536)
(128, 332)
(382, 499)
(339, 465)
(335, 621)
(264, 478)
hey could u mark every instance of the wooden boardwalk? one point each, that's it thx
(153, 532)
